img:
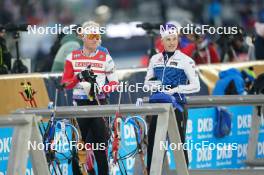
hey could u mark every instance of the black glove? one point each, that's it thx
(87, 75)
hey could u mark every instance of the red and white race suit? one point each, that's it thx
(102, 65)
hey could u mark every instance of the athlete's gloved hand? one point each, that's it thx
(87, 75)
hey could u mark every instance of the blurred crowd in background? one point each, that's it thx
(127, 45)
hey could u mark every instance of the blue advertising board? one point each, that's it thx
(200, 127)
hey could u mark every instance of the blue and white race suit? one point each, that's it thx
(177, 72)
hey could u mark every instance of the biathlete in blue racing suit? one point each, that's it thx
(177, 72)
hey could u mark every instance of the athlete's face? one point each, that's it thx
(170, 43)
(91, 41)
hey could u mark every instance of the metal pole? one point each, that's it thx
(204, 101)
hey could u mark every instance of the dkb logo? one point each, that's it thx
(205, 125)
(243, 121)
(204, 155)
(241, 150)
(224, 154)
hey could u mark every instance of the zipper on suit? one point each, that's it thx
(165, 64)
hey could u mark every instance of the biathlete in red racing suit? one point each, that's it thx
(93, 130)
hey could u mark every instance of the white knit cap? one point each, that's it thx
(91, 27)
(170, 29)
